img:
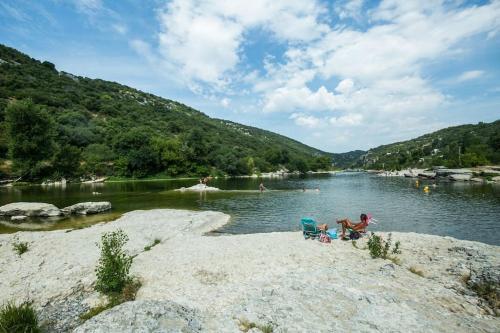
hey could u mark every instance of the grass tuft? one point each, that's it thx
(18, 319)
(128, 294)
(20, 247)
(155, 242)
(490, 292)
(416, 271)
(245, 325)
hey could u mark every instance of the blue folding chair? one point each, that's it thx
(309, 228)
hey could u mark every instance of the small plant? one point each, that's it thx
(20, 247)
(96, 310)
(490, 292)
(128, 294)
(354, 244)
(114, 264)
(155, 242)
(416, 271)
(380, 248)
(18, 319)
(246, 325)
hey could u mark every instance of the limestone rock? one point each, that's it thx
(200, 282)
(29, 209)
(18, 218)
(85, 208)
(144, 316)
(199, 188)
(460, 177)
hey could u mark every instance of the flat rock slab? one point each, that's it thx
(199, 188)
(86, 208)
(276, 279)
(144, 317)
(29, 209)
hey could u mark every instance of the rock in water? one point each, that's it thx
(85, 208)
(144, 316)
(29, 209)
(460, 177)
(17, 218)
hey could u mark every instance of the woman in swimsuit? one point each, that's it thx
(348, 224)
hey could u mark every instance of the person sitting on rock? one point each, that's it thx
(348, 224)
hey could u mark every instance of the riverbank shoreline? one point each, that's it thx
(276, 278)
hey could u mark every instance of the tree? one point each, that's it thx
(137, 156)
(66, 161)
(30, 132)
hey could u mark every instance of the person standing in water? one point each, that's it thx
(262, 188)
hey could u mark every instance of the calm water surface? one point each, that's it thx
(462, 210)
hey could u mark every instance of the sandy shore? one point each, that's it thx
(194, 282)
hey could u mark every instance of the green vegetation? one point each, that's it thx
(380, 248)
(114, 264)
(347, 160)
(54, 124)
(490, 292)
(155, 242)
(112, 272)
(18, 319)
(19, 247)
(127, 294)
(458, 146)
(245, 325)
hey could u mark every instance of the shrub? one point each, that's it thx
(20, 247)
(379, 248)
(18, 319)
(490, 292)
(114, 264)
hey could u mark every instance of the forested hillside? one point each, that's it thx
(458, 146)
(55, 124)
(347, 160)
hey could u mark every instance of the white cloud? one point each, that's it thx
(120, 28)
(204, 38)
(347, 120)
(349, 9)
(470, 75)
(306, 121)
(289, 99)
(345, 86)
(379, 69)
(225, 102)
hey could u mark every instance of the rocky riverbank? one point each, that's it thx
(192, 282)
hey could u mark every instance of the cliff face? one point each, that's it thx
(194, 282)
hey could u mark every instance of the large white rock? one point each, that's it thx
(278, 278)
(146, 317)
(85, 208)
(29, 209)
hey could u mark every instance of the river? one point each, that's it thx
(462, 210)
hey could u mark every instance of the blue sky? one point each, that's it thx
(337, 75)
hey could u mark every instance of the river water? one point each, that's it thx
(462, 210)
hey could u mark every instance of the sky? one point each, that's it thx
(336, 75)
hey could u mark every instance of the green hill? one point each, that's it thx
(458, 146)
(347, 160)
(55, 124)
